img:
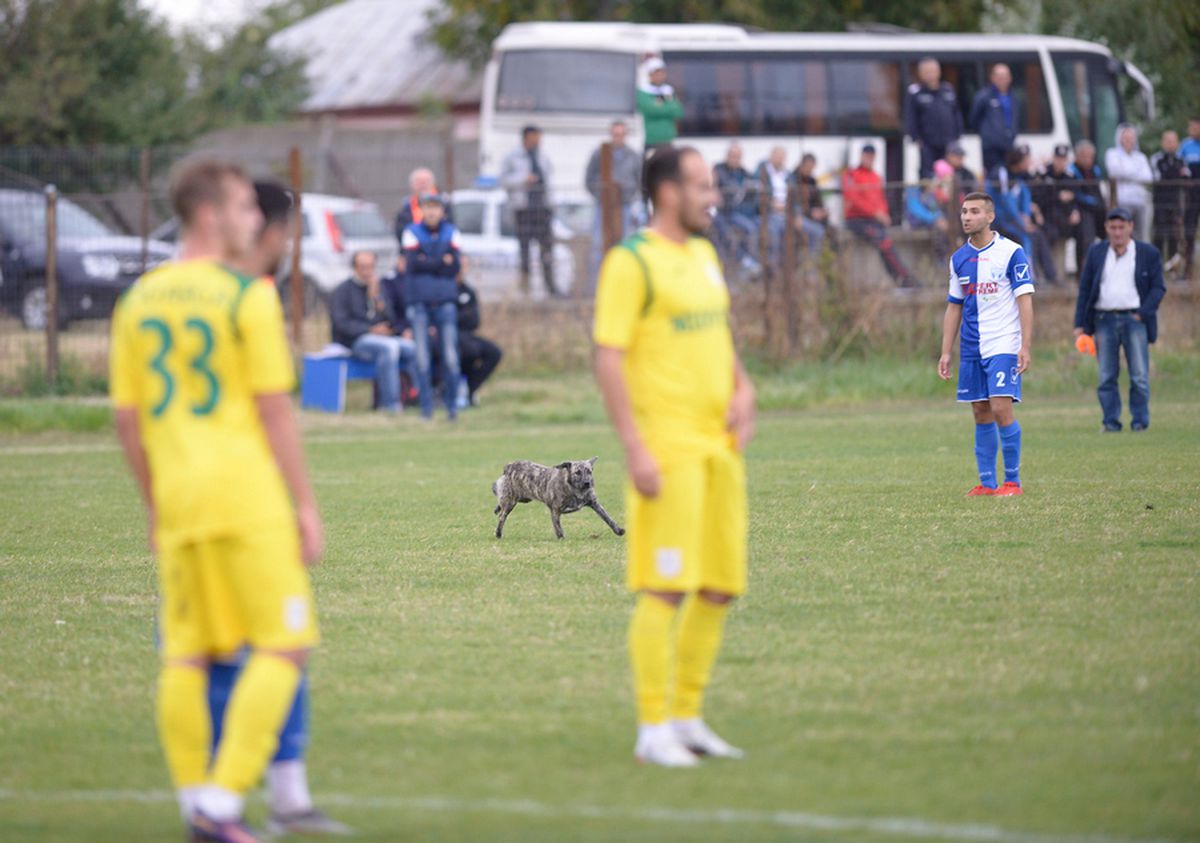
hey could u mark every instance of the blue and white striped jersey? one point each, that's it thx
(986, 282)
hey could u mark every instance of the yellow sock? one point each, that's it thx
(701, 624)
(650, 653)
(260, 702)
(184, 723)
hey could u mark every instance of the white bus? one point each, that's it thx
(824, 93)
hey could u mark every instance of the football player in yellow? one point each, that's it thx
(201, 377)
(683, 408)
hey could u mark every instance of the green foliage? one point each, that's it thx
(467, 28)
(86, 72)
(1161, 37)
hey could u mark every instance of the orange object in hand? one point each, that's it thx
(1085, 344)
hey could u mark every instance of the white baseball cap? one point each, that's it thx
(653, 63)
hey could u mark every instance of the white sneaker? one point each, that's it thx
(658, 745)
(701, 740)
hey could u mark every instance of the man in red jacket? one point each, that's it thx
(867, 213)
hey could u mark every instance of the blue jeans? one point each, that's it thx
(444, 317)
(1114, 330)
(388, 354)
(733, 228)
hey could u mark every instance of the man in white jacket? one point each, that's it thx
(1130, 168)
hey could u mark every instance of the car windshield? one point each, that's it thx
(364, 222)
(24, 219)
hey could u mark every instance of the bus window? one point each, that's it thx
(1071, 73)
(791, 97)
(550, 80)
(865, 96)
(713, 91)
(1029, 92)
(1089, 95)
(1106, 102)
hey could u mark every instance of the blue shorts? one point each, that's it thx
(979, 380)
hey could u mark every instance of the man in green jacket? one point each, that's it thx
(659, 107)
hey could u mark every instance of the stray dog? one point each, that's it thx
(566, 487)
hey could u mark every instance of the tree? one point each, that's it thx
(467, 28)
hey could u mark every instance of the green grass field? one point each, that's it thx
(908, 664)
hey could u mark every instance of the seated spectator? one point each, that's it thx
(775, 178)
(432, 263)
(1008, 186)
(925, 208)
(361, 319)
(1171, 176)
(812, 217)
(478, 357)
(392, 287)
(736, 222)
(1130, 168)
(967, 181)
(420, 182)
(1055, 196)
(867, 215)
(1086, 179)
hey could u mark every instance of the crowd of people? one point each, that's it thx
(420, 322)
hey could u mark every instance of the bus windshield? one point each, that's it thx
(578, 81)
(1089, 97)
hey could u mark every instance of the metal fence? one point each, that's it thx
(810, 274)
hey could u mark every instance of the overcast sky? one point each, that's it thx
(181, 13)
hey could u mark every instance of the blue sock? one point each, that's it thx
(1010, 441)
(987, 446)
(293, 739)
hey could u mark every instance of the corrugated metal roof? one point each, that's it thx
(376, 53)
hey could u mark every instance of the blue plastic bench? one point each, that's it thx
(323, 383)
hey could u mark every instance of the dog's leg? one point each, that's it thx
(554, 514)
(604, 516)
(508, 507)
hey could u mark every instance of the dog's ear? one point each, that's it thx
(566, 465)
(592, 461)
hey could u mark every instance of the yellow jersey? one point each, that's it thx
(192, 344)
(667, 307)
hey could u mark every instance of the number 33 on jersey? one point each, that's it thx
(193, 343)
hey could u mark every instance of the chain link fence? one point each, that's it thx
(815, 270)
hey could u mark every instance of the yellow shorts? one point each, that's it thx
(693, 535)
(219, 595)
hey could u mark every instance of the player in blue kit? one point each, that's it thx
(990, 308)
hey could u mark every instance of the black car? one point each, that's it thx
(94, 263)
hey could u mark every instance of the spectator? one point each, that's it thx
(736, 221)
(626, 179)
(994, 117)
(362, 319)
(1119, 291)
(1190, 151)
(526, 174)
(659, 107)
(925, 208)
(968, 182)
(479, 357)
(1171, 175)
(1086, 178)
(931, 115)
(420, 182)
(866, 212)
(1054, 194)
(433, 263)
(775, 178)
(1008, 186)
(812, 217)
(392, 288)
(1129, 167)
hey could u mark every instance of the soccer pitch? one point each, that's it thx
(907, 665)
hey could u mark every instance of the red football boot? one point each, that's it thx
(1008, 490)
(981, 492)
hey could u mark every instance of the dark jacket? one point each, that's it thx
(1087, 191)
(995, 130)
(932, 116)
(404, 217)
(429, 277)
(392, 287)
(808, 193)
(1046, 188)
(468, 309)
(1147, 274)
(739, 190)
(352, 314)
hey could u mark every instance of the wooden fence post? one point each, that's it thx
(52, 286)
